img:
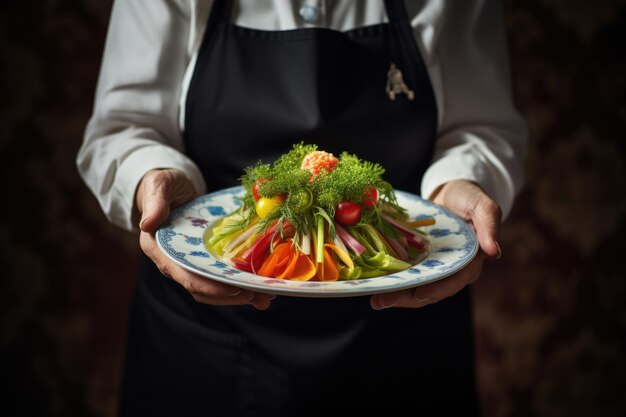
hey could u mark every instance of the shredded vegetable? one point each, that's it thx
(331, 218)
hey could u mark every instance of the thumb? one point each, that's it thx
(486, 220)
(156, 210)
(473, 205)
(159, 190)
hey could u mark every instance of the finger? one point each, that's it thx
(403, 298)
(486, 218)
(159, 191)
(201, 286)
(210, 292)
(471, 203)
(154, 204)
(217, 293)
(430, 293)
(451, 285)
(207, 291)
(156, 210)
(260, 301)
(202, 289)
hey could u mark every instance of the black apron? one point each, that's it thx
(254, 94)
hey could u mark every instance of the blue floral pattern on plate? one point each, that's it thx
(453, 245)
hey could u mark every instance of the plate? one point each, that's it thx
(453, 245)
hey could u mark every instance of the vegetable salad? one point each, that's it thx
(313, 216)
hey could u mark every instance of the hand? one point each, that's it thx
(468, 201)
(158, 192)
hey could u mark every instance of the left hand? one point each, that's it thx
(159, 191)
(469, 201)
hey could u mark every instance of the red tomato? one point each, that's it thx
(348, 213)
(370, 197)
(255, 188)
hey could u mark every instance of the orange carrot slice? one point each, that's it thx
(329, 270)
(300, 268)
(427, 221)
(277, 260)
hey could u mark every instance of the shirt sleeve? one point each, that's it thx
(482, 137)
(134, 126)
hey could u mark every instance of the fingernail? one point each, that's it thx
(235, 292)
(142, 222)
(499, 255)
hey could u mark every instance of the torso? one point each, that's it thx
(252, 96)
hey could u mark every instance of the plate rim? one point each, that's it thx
(164, 234)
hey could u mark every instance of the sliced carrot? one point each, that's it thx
(329, 270)
(300, 268)
(426, 221)
(277, 260)
(282, 264)
(304, 268)
(290, 268)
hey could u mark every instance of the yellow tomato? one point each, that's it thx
(265, 205)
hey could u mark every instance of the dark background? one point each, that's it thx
(550, 315)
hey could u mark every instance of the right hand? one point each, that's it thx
(470, 202)
(158, 192)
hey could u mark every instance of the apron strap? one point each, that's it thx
(220, 12)
(405, 38)
(395, 10)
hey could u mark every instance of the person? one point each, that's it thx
(191, 92)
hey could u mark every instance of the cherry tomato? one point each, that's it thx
(348, 213)
(255, 188)
(370, 197)
(265, 205)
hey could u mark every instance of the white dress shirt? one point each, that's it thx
(149, 57)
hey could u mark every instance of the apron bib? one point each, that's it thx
(254, 94)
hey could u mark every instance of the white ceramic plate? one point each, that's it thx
(453, 245)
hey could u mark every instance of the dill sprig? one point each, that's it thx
(349, 181)
(249, 177)
(293, 159)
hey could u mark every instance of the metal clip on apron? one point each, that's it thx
(253, 94)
